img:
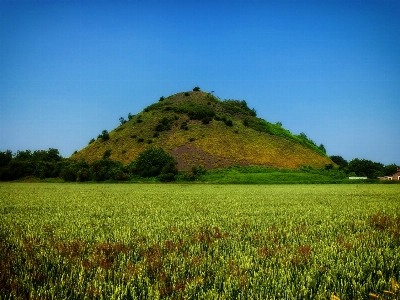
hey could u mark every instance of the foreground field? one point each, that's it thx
(132, 241)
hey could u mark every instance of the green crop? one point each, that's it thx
(159, 241)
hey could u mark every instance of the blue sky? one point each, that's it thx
(330, 69)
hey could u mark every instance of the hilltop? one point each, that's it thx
(197, 128)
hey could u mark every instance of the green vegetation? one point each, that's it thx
(158, 164)
(153, 162)
(71, 241)
(164, 124)
(226, 133)
(104, 136)
(264, 175)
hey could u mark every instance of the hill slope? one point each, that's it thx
(199, 129)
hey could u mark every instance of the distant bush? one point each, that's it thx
(340, 161)
(228, 123)
(169, 171)
(322, 148)
(164, 124)
(195, 111)
(107, 154)
(5, 158)
(238, 107)
(83, 175)
(107, 169)
(184, 125)
(140, 140)
(91, 141)
(104, 136)
(122, 120)
(196, 89)
(187, 94)
(158, 105)
(161, 98)
(199, 170)
(206, 120)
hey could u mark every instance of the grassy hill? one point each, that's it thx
(199, 129)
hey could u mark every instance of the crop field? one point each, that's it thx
(161, 241)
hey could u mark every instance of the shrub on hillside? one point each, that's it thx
(238, 107)
(206, 120)
(152, 161)
(184, 125)
(104, 136)
(107, 154)
(164, 124)
(195, 111)
(228, 123)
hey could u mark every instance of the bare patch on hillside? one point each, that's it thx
(189, 156)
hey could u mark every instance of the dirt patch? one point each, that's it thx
(189, 156)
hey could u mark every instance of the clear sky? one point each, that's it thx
(330, 69)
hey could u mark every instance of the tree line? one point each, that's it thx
(364, 167)
(153, 162)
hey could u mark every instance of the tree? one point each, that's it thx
(104, 136)
(322, 148)
(23, 155)
(5, 158)
(340, 161)
(169, 171)
(122, 120)
(303, 136)
(364, 167)
(390, 169)
(196, 89)
(152, 161)
(106, 169)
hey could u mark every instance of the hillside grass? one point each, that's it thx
(224, 132)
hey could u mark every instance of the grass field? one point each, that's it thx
(159, 241)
